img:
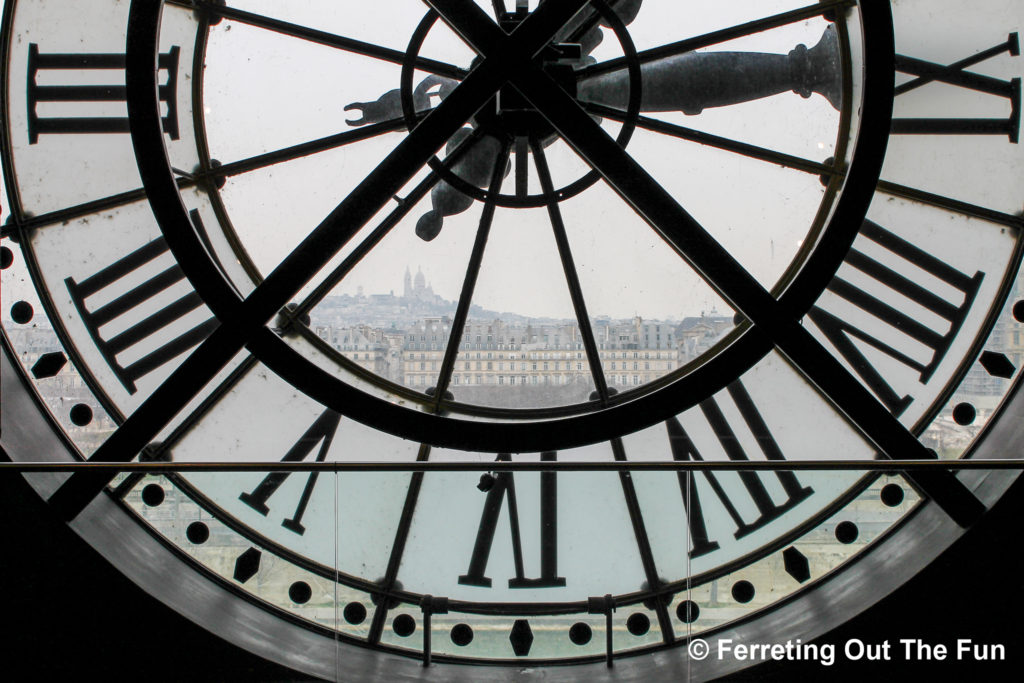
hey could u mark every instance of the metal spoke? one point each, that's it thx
(576, 30)
(715, 37)
(643, 542)
(753, 151)
(718, 268)
(244, 321)
(950, 204)
(571, 275)
(229, 169)
(206, 405)
(405, 205)
(304, 149)
(586, 331)
(157, 451)
(387, 582)
(84, 209)
(476, 257)
(332, 40)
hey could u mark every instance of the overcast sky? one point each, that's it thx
(264, 91)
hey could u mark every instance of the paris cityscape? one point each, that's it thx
(503, 360)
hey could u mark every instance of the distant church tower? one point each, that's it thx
(407, 291)
(421, 281)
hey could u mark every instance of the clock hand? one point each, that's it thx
(689, 82)
(693, 81)
(585, 27)
(389, 105)
(475, 167)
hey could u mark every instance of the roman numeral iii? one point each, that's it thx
(76, 97)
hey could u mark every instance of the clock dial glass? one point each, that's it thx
(322, 235)
(540, 266)
(959, 82)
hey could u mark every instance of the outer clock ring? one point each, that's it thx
(163, 573)
(881, 568)
(625, 412)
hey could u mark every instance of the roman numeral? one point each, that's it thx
(504, 491)
(953, 309)
(68, 95)
(753, 486)
(320, 432)
(131, 303)
(956, 75)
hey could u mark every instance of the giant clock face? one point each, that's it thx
(755, 231)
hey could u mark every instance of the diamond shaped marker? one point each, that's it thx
(997, 364)
(247, 564)
(49, 364)
(521, 637)
(796, 564)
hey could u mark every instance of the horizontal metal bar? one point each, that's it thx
(533, 466)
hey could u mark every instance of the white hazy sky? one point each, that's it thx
(759, 211)
(264, 91)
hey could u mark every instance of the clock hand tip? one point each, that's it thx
(356, 106)
(429, 225)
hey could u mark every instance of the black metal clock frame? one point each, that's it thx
(431, 427)
(243, 322)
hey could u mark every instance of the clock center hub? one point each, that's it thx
(509, 112)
